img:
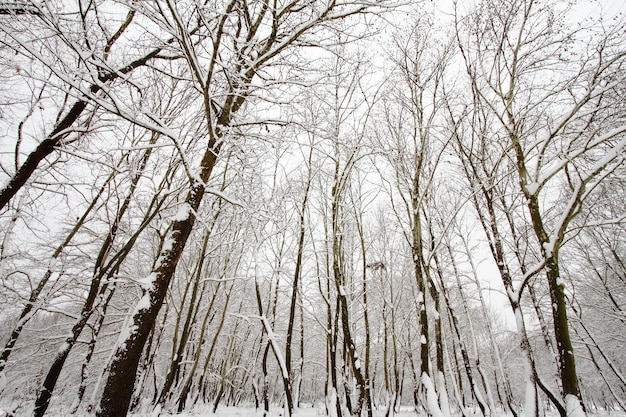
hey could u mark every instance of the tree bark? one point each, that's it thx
(118, 390)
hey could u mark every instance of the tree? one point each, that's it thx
(413, 151)
(560, 137)
(237, 26)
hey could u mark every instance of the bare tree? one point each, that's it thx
(236, 26)
(413, 152)
(63, 58)
(558, 133)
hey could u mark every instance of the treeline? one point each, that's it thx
(354, 205)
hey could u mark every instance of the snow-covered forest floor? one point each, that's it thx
(314, 411)
(320, 411)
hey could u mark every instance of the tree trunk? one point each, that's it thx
(567, 364)
(100, 270)
(119, 386)
(90, 350)
(295, 290)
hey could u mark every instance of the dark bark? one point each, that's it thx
(190, 318)
(91, 349)
(295, 289)
(341, 288)
(333, 342)
(27, 310)
(567, 364)
(187, 384)
(565, 350)
(118, 390)
(19, 8)
(366, 321)
(100, 270)
(43, 399)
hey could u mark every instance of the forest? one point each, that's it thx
(361, 207)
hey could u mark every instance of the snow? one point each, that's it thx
(129, 327)
(548, 247)
(227, 411)
(225, 197)
(143, 304)
(423, 340)
(532, 188)
(168, 245)
(443, 394)
(511, 294)
(147, 282)
(331, 402)
(573, 407)
(63, 348)
(3, 383)
(125, 335)
(530, 395)
(271, 336)
(319, 409)
(431, 397)
(184, 212)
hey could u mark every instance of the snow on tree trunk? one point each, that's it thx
(118, 389)
(432, 401)
(444, 402)
(573, 406)
(331, 402)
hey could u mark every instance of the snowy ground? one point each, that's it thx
(319, 411)
(206, 411)
(275, 412)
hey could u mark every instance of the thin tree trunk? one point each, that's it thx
(484, 408)
(91, 349)
(295, 288)
(209, 356)
(27, 310)
(341, 288)
(182, 398)
(95, 292)
(366, 321)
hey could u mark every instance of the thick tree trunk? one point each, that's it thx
(567, 364)
(118, 390)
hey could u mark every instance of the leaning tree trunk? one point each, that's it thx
(118, 390)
